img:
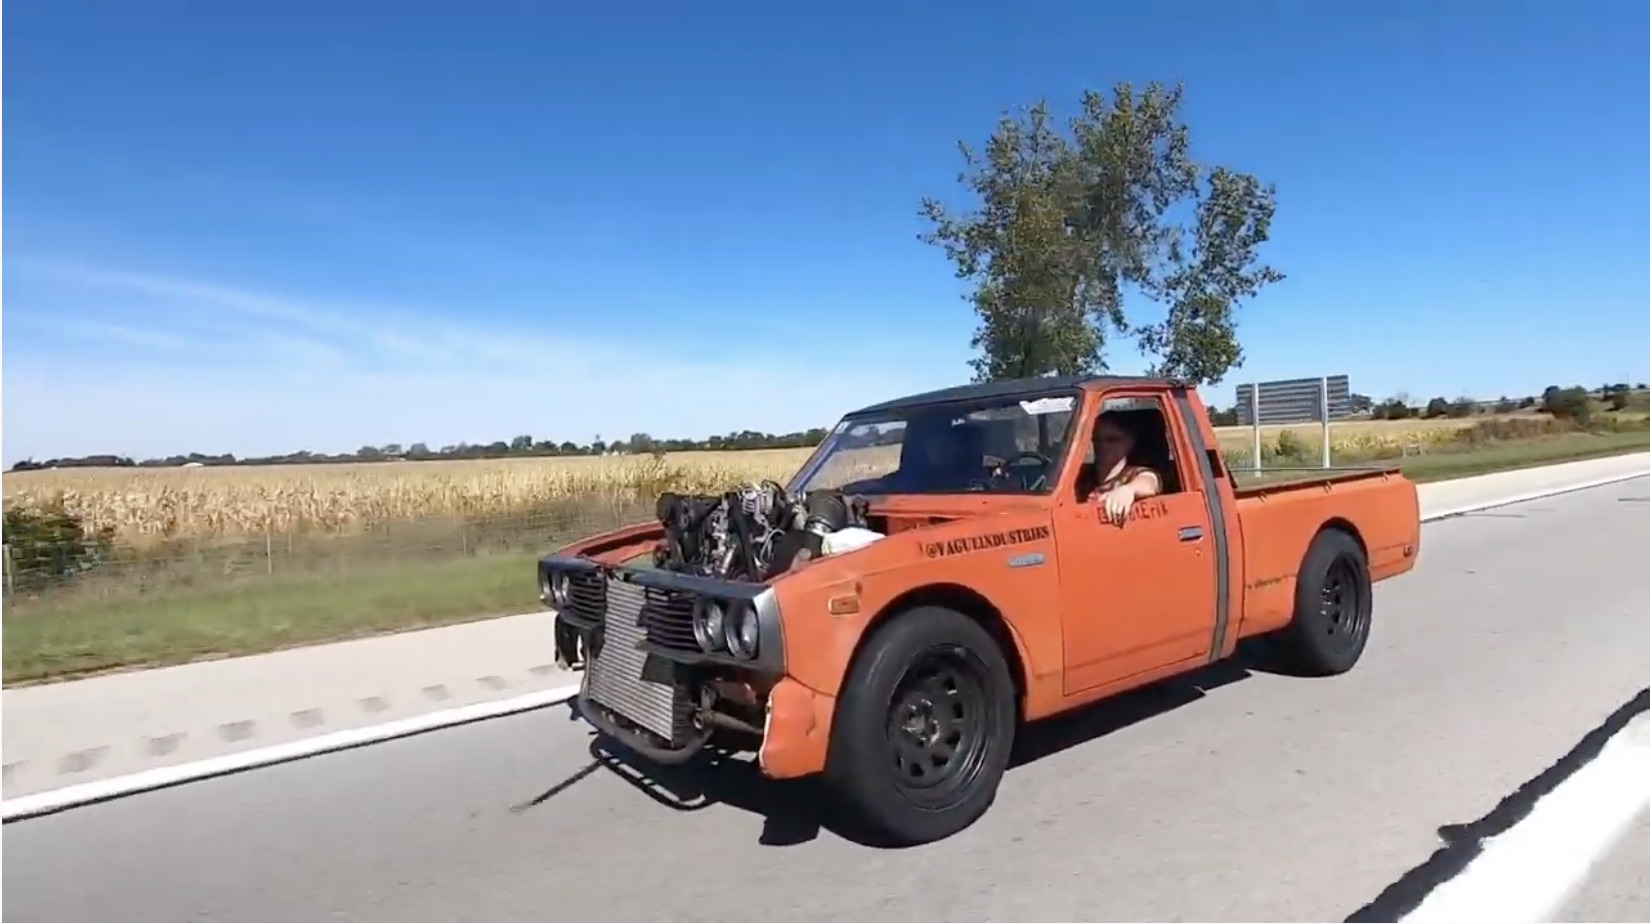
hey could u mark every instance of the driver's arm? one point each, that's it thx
(1145, 483)
(1137, 483)
(1141, 481)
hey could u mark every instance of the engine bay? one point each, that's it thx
(756, 530)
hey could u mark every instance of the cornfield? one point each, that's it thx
(151, 505)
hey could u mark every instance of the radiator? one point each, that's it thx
(620, 677)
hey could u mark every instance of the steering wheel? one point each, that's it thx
(1028, 454)
(1026, 483)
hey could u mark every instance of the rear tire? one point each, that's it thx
(1334, 601)
(924, 729)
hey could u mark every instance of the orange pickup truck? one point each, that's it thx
(941, 570)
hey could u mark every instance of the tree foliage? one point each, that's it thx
(1067, 221)
(47, 544)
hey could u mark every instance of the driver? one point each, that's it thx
(1120, 480)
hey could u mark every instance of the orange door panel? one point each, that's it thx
(1136, 597)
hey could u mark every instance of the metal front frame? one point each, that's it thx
(770, 653)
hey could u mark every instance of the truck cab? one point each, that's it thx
(981, 587)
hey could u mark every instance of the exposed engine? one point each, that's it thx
(752, 532)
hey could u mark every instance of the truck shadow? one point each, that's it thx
(796, 811)
(1060, 733)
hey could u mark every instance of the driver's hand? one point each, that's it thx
(1115, 504)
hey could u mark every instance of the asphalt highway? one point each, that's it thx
(1619, 889)
(1234, 795)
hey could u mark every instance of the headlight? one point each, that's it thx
(708, 630)
(546, 590)
(744, 632)
(558, 588)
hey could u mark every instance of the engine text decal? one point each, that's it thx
(981, 543)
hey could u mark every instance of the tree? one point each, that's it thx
(1064, 225)
(1392, 409)
(1568, 404)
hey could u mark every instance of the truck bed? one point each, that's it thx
(1278, 520)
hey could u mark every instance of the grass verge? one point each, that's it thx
(67, 635)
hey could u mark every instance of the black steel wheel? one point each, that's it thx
(938, 719)
(1333, 607)
(924, 727)
(1342, 615)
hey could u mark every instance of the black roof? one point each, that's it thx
(1009, 388)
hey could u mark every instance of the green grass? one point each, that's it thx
(81, 634)
(130, 624)
(1441, 466)
(1445, 464)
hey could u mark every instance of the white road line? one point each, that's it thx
(1512, 499)
(101, 790)
(1530, 870)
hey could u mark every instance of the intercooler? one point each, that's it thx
(625, 679)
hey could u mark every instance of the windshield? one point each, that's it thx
(999, 445)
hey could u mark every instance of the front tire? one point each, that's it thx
(1334, 601)
(924, 728)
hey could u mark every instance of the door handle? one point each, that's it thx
(1191, 533)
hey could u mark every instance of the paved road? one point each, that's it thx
(1619, 888)
(1249, 797)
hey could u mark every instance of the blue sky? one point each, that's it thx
(264, 226)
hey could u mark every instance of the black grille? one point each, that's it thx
(668, 618)
(587, 594)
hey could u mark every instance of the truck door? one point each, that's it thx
(1141, 596)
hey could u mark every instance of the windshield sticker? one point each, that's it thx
(984, 541)
(1050, 405)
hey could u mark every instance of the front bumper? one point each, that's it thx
(796, 731)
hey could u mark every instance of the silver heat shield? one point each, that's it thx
(626, 679)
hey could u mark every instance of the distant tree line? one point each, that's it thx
(1575, 403)
(1572, 403)
(524, 446)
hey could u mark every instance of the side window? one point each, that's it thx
(1146, 420)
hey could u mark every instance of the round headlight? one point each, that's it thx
(708, 630)
(559, 583)
(744, 632)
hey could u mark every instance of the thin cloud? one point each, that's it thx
(90, 329)
(261, 373)
(337, 321)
